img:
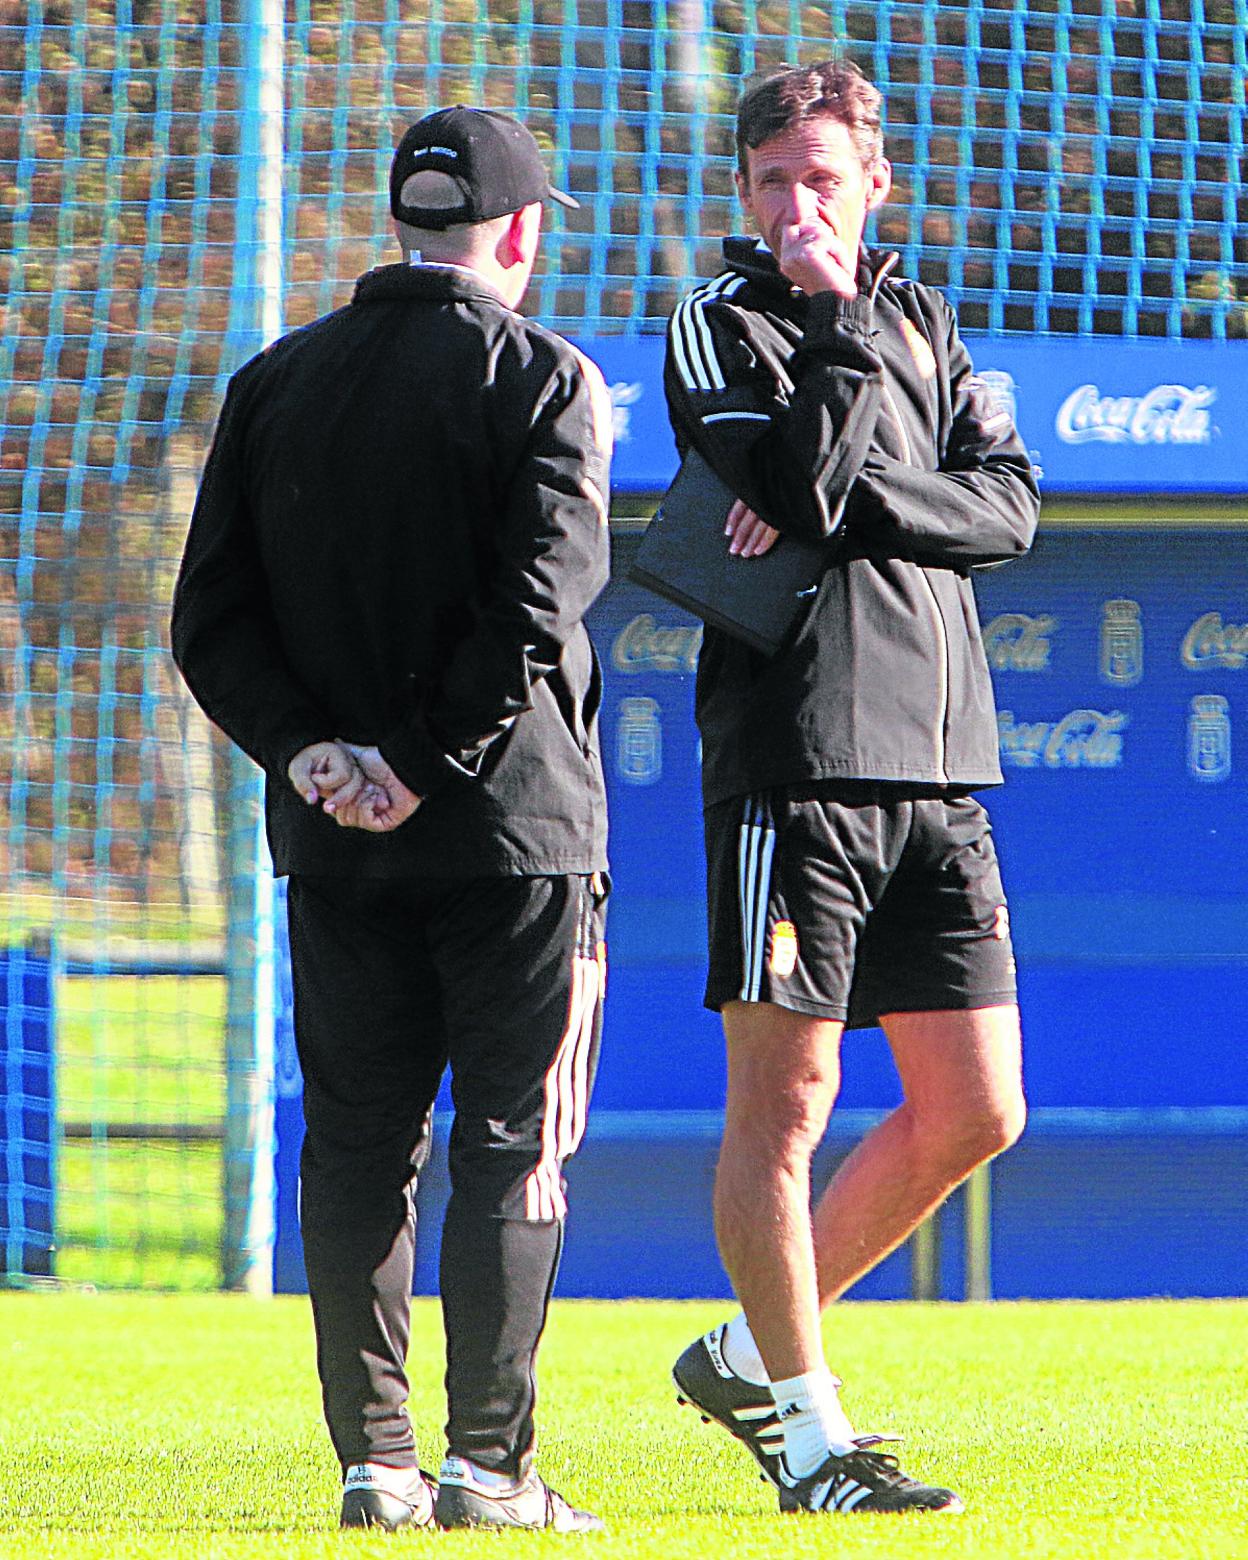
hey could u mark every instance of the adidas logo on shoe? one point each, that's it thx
(705, 1379)
(468, 1497)
(862, 1480)
(376, 1495)
(713, 1348)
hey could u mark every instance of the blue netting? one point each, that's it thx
(1061, 167)
(118, 237)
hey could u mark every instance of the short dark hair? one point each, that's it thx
(789, 95)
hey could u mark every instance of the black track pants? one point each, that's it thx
(502, 977)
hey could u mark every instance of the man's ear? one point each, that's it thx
(879, 183)
(519, 246)
(743, 192)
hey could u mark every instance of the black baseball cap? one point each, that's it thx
(490, 156)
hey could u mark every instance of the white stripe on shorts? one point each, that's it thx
(754, 855)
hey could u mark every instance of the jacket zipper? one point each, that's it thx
(942, 633)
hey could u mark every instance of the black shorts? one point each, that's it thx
(849, 902)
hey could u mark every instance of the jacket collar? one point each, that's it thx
(751, 258)
(443, 283)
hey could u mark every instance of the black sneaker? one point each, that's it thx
(377, 1497)
(863, 1480)
(531, 1503)
(704, 1378)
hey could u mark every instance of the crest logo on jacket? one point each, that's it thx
(920, 351)
(1000, 392)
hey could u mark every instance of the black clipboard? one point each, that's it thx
(684, 558)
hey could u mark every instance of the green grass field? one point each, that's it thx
(135, 1213)
(175, 1426)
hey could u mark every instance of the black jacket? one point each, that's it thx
(400, 527)
(858, 423)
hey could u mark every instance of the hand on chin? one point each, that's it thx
(815, 259)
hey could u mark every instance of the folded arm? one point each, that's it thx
(980, 507)
(790, 454)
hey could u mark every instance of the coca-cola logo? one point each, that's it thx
(1211, 642)
(1166, 414)
(1083, 739)
(1018, 642)
(642, 645)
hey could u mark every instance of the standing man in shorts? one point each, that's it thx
(851, 872)
(401, 525)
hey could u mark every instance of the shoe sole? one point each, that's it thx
(466, 1525)
(952, 1507)
(386, 1514)
(477, 1516)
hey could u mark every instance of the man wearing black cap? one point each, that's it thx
(401, 525)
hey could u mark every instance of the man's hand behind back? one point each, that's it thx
(326, 771)
(381, 804)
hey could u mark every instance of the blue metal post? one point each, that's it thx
(256, 317)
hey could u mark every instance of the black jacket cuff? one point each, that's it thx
(419, 762)
(831, 313)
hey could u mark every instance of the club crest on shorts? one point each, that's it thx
(1001, 923)
(782, 960)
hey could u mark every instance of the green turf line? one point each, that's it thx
(180, 1426)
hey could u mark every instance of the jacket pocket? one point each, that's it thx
(587, 711)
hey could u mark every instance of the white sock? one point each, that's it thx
(380, 1476)
(741, 1352)
(458, 1470)
(812, 1419)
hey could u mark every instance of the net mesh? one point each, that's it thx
(1062, 166)
(1069, 166)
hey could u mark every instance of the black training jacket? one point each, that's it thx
(401, 525)
(858, 423)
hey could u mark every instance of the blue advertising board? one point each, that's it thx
(1120, 663)
(1099, 416)
(28, 1131)
(1121, 669)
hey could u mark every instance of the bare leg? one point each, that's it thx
(783, 1076)
(961, 1075)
